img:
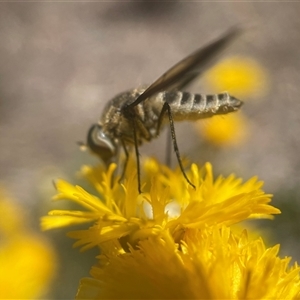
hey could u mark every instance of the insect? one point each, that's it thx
(138, 115)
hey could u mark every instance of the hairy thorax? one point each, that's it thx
(117, 124)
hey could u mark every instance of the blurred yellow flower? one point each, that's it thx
(27, 260)
(168, 203)
(208, 264)
(241, 76)
(231, 130)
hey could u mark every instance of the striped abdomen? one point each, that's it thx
(188, 106)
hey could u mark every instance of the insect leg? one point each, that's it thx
(126, 159)
(168, 147)
(167, 108)
(133, 121)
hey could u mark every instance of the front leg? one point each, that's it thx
(131, 117)
(123, 143)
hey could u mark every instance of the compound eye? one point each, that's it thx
(100, 143)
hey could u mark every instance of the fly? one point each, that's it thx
(138, 115)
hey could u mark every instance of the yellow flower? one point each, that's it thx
(207, 264)
(173, 241)
(27, 260)
(241, 76)
(119, 213)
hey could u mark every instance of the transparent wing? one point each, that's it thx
(184, 72)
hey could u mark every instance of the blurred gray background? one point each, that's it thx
(61, 62)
